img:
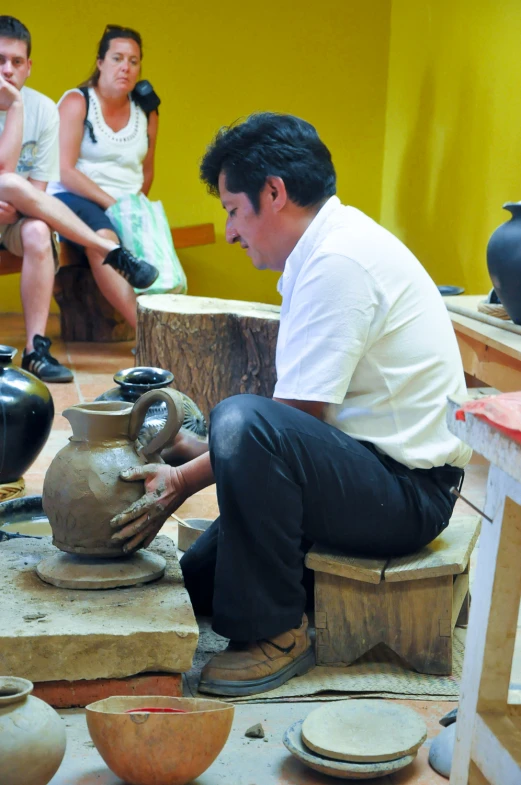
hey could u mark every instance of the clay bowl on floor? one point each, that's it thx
(149, 748)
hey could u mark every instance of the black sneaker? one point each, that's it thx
(40, 363)
(138, 273)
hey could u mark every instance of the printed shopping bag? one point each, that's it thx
(143, 229)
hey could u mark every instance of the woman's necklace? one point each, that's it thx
(132, 125)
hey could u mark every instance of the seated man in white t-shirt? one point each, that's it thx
(29, 125)
(352, 451)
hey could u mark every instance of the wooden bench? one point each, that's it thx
(411, 604)
(85, 314)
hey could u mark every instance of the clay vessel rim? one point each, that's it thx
(14, 689)
(102, 408)
(7, 354)
(161, 377)
(103, 706)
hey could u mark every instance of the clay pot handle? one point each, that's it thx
(176, 414)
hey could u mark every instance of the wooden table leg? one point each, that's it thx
(490, 642)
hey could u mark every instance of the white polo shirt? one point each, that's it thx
(364, 329)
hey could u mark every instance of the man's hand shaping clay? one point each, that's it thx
(165, 489)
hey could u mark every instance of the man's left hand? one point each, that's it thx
(165, 491)
(8, 213)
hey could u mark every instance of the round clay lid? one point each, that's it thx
(69, 571)
(364, 730)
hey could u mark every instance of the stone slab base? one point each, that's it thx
(78, 694)
(51, 634)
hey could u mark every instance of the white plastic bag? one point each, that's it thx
(143, 229)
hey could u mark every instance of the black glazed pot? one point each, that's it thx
(26, 415)
(504, 262)
(133, 382)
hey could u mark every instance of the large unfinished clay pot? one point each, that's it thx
(32, 735)
(83, 489)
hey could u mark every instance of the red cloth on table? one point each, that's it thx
(502, 411)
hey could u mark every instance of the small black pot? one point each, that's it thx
(133, 382)
(504, 262)
(26, 415)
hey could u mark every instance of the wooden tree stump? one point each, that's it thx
(85, 314)
(215, 348)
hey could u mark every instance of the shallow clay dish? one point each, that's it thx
(364, 731)
(338, 768)
(190, 531)
(149, 748)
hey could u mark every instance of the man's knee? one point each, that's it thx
(36, 236)
(234, 421)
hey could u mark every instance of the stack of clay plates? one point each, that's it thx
(357, 739)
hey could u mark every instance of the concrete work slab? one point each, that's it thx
(50, 634)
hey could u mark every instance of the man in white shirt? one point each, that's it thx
(29, 124)
(353, 450)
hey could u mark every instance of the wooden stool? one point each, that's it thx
(411, 604)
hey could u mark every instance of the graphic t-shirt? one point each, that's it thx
(40, 155)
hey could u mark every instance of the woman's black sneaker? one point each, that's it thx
(40, 362)
(138, 273)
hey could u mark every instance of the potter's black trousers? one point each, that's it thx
(285, 480)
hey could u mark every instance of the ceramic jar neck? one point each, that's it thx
(14, 690)
(99, 422)
(7, 353)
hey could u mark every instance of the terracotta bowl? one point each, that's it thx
(148, 748)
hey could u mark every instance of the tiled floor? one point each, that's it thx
(243, 761)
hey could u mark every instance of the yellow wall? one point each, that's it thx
(452, 145)
(213, 62)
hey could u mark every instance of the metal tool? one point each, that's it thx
(463, 499)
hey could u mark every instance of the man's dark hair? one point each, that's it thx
(13, 28)
(270, 144)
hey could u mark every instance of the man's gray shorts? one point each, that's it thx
(11, 240)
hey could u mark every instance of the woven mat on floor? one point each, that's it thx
(379, 673)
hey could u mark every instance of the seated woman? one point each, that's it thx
(107, 146)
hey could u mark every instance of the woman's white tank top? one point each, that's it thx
(115, 161)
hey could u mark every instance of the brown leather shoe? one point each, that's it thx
(248, 668)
